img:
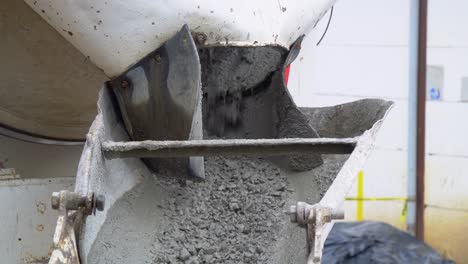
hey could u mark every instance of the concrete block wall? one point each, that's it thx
(365, 54)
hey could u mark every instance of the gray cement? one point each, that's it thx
(230, 218)
(245, 96)
(234, 216)
(229, 74)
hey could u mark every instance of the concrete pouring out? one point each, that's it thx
(235, 215)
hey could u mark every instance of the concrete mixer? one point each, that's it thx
(198, 153)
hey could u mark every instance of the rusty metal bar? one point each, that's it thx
(421, 119)
(264, 147)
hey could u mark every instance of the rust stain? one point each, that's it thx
(40, 228)
(199, 37)
(30, 259)
(41, 207)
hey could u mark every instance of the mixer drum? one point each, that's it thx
(56, 75)
(48, 89)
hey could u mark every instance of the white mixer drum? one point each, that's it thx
(48, 89)
(55, 87)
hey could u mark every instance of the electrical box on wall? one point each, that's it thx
(434, 83)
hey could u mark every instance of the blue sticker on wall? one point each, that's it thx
(435, 94)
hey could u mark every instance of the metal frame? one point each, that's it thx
(28, 137)
(421, 119)
(267, 147)
(417, 116)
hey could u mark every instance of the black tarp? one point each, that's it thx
(376, 242)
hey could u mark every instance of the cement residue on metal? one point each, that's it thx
(156, 219)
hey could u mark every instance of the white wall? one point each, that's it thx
(365, 54)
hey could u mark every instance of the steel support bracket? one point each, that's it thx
(68, 200)
(65, 240)
(313, 218)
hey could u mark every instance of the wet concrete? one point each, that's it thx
(245, 96)
(234, 216)
(228, 75)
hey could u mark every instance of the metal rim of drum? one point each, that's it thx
(38, 139)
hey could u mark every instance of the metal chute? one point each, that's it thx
(132, 192)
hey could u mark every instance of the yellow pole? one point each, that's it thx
(360, 196)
